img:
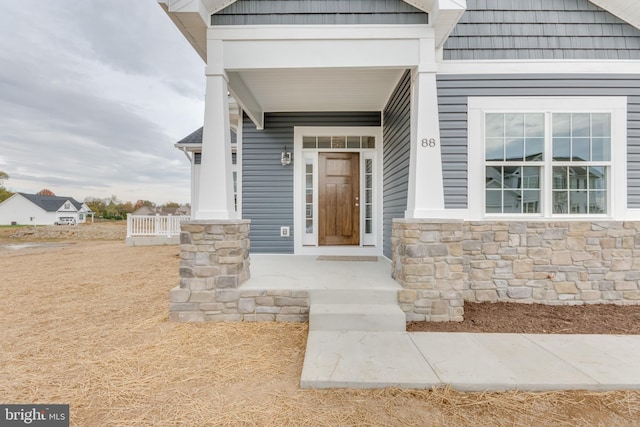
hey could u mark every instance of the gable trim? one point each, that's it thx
(539, 67)
(627, 10)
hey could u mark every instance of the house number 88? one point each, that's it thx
(431, 142)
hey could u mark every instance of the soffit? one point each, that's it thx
(321, 89)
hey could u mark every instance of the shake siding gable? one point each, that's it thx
(318, 12)
(540, 29)
(267, 186)
(396, 146)
(453, 93)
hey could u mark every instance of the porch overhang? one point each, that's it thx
(293, 68)
(192, 17)
(289, 68)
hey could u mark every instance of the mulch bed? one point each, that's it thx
(505, 317)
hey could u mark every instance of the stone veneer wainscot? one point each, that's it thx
(546, 262)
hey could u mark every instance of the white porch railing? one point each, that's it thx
(154, 225)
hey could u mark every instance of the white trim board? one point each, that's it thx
(539, 67)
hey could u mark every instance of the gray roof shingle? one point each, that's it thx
(196, 137)
(50, 203)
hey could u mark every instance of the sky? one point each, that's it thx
(93, 95)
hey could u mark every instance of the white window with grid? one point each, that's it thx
(547, 157)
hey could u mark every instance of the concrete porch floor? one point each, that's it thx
(307, 272)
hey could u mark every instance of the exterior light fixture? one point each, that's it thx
(285, 158)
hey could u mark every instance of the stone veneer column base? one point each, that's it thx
(214, 262)
(427, 262)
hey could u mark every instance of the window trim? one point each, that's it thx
(617, 179)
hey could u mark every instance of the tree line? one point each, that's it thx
(112, 208)
(4, 193)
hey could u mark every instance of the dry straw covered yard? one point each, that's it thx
(86, 324)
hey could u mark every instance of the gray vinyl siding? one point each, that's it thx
(541, 29)
(454, 90)
(267, 186)
(396, 146)
(318, 12)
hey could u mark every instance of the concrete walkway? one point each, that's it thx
(471, 362)
(467, 362)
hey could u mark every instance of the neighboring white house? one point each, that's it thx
(33, 209)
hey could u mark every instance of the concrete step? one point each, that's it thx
(354, 296)
(356, 317)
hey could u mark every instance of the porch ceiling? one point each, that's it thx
(289, 90)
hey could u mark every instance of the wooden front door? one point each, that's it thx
(339, 198)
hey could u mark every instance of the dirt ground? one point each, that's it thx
(84, 322)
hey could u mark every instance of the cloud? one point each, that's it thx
(93, 96)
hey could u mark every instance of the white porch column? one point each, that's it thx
(215, 192)
(426, 193)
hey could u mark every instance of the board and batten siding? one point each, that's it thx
(319, 12)
(396, 135)
(267, 186)
(453, 93)
(540, 29)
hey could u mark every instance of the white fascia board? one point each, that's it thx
(540, 67)
(187, 6)
(318, 32)
(424, 5)
(444, 17)
(627, 10)
(268, 54)
(257, 47)
(214, 6)
(189, 147)
(192, 19)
